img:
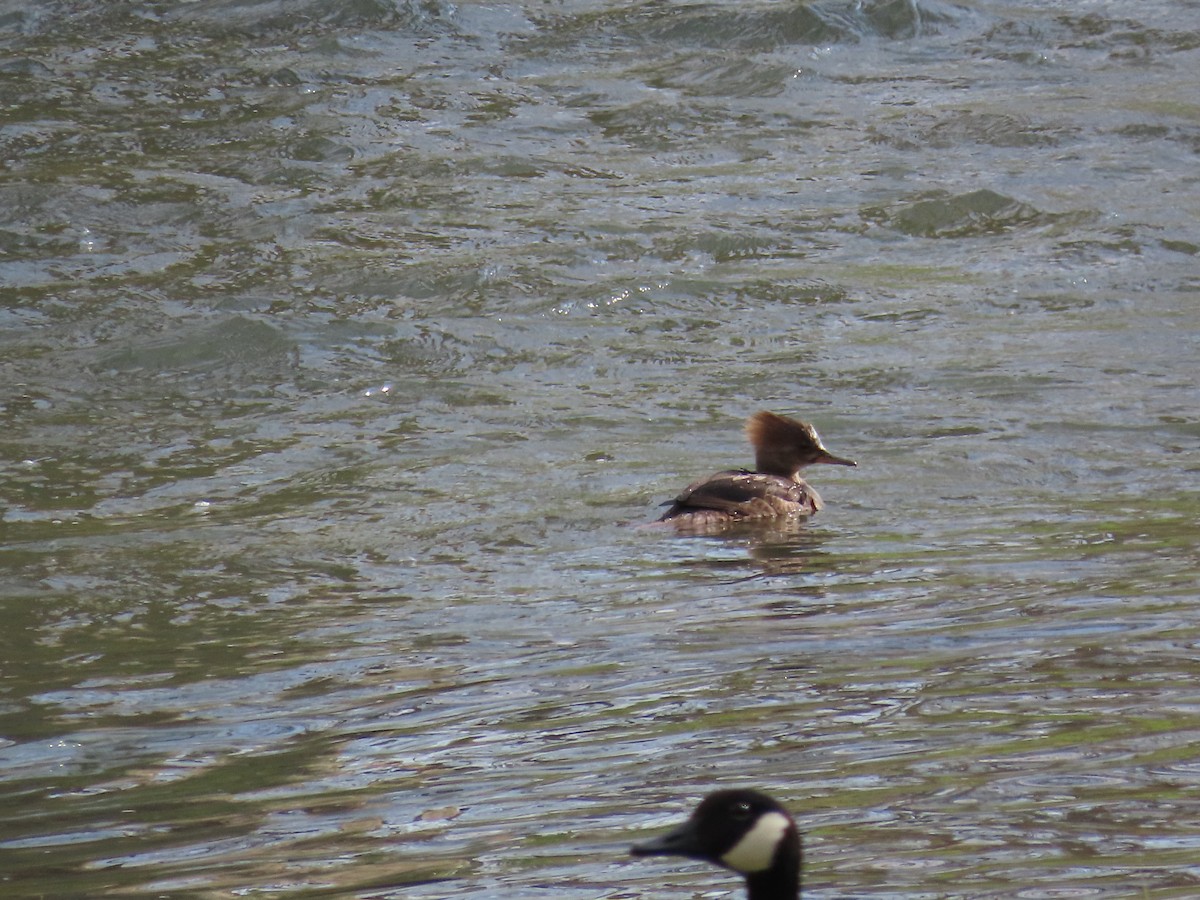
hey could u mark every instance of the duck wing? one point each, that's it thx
(741, 494)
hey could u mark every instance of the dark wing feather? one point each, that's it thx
(724, 491)
(740, 494)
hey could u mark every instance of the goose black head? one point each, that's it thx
(744, 831)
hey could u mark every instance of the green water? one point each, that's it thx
(342, 346)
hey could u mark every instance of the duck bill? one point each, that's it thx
(827, 457)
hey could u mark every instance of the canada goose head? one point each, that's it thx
(744, 831)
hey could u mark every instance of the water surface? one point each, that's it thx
(343, 345)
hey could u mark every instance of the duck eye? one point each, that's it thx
(741, 811)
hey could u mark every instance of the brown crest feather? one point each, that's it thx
(770, 428)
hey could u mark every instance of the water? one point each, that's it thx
(344, 344)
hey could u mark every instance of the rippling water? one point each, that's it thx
(342, 343)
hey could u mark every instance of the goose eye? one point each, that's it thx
(741, 811)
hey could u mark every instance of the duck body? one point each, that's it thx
(742, 494)
(773, 489)
(744, 831)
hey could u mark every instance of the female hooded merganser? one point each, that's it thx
(782, 447)
(744, 831)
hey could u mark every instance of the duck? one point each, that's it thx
(773, 489)
(744, 831)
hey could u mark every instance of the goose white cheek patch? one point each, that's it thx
(756, 851)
